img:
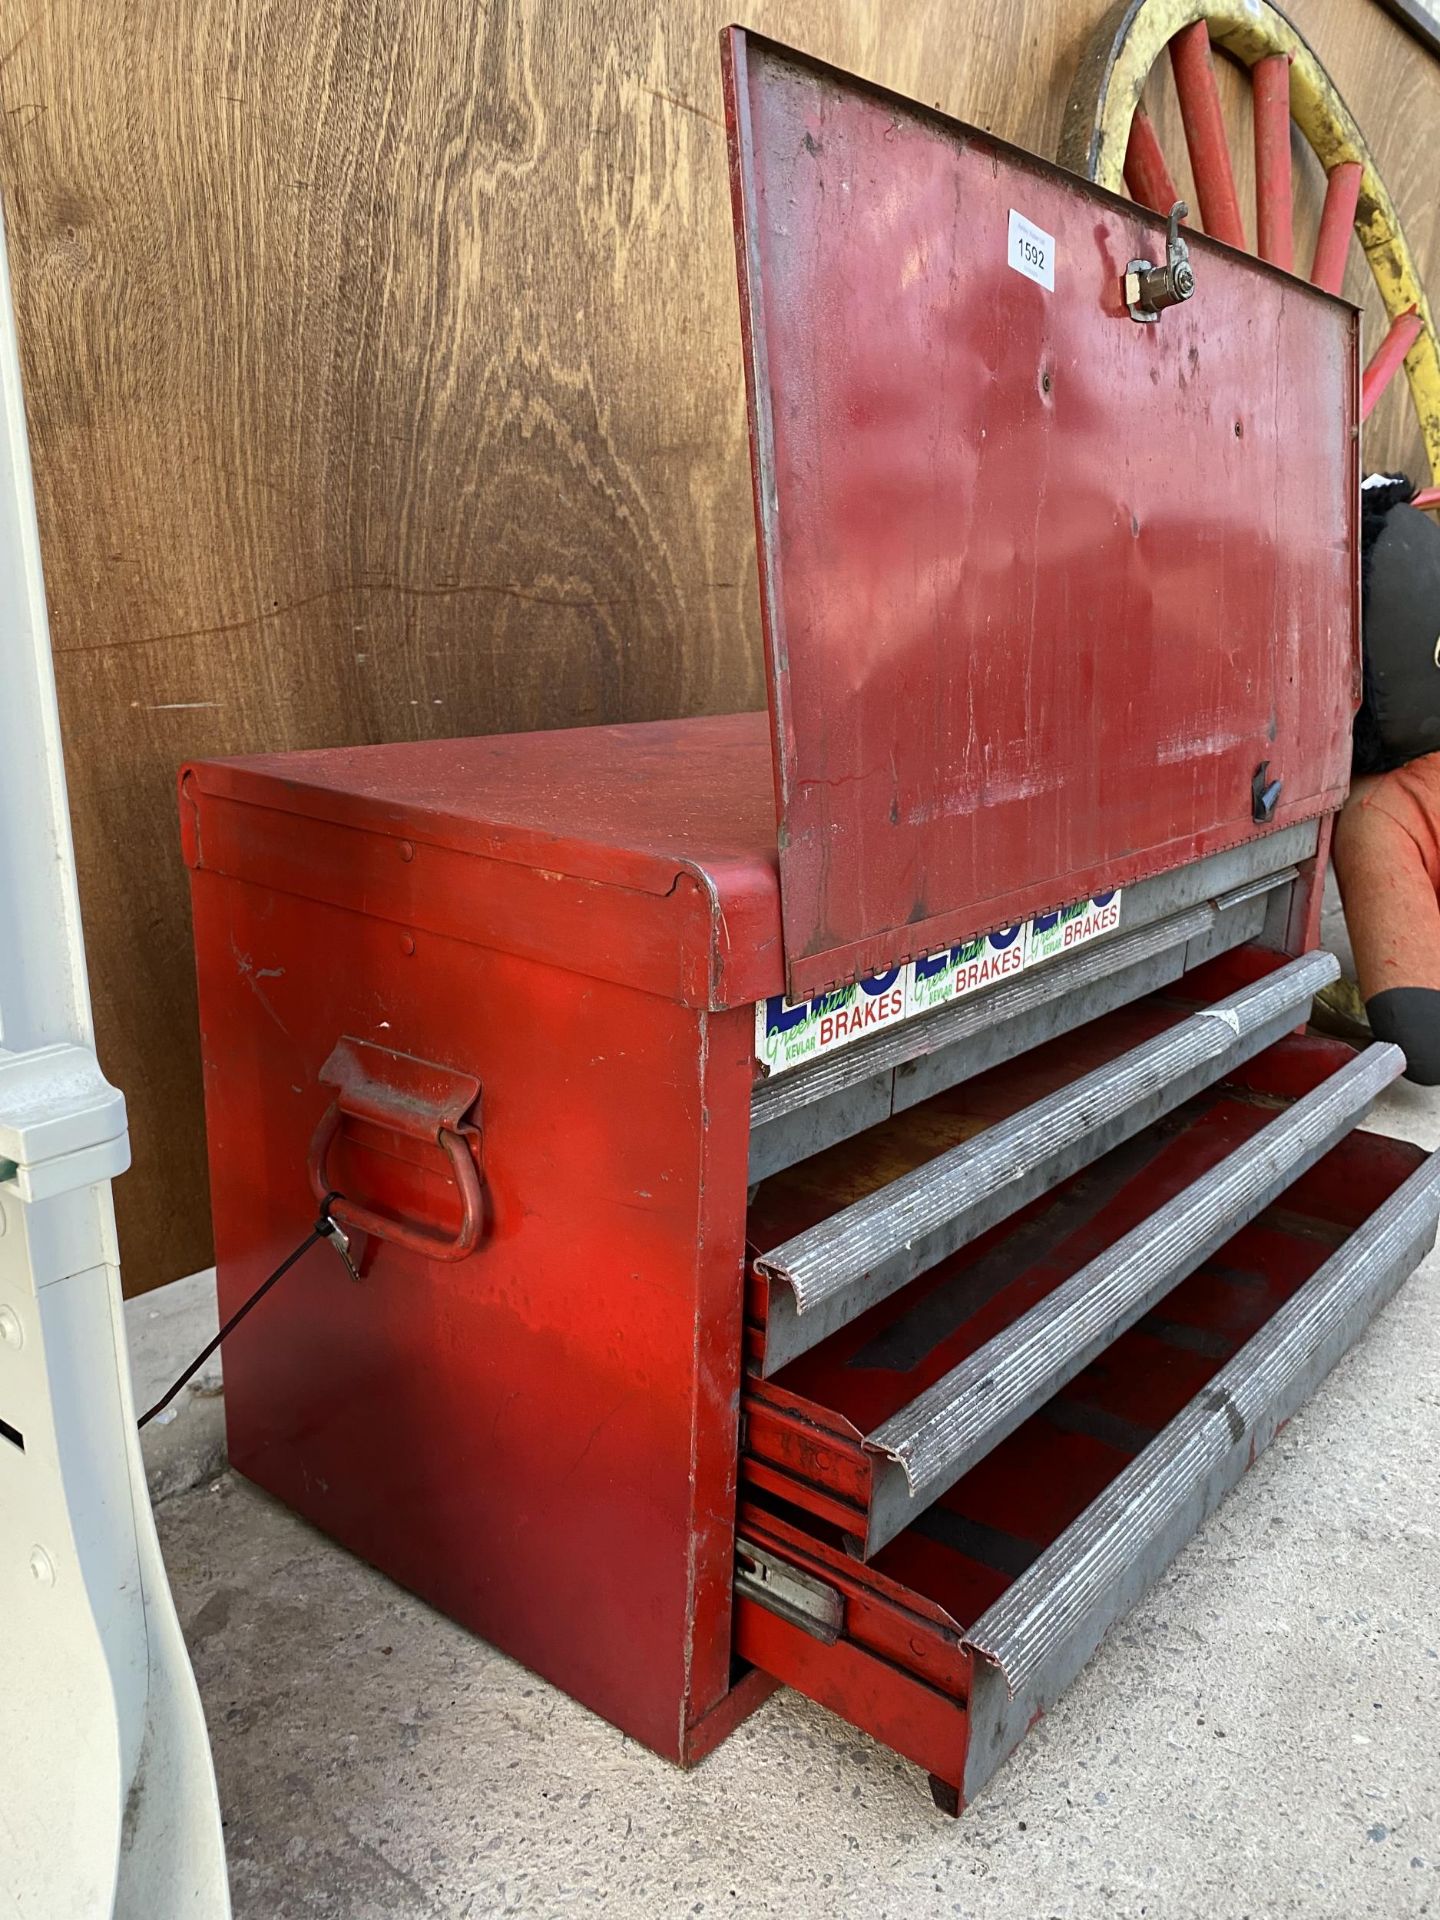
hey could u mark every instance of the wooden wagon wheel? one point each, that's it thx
(1108, 136)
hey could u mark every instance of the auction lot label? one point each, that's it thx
(788, 1035)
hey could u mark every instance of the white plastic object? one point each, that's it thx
(109, 1804)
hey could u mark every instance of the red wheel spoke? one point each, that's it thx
(1146, 174)
(1427, 497)
(1274, 231)
(1205, 134)
(1389, 356)
(1337, 222)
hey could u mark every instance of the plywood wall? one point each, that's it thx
(382, 366)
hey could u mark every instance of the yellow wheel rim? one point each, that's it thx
(1106, 93)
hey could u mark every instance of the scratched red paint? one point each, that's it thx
(1041, 586)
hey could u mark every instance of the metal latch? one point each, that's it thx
(784, 1590)
(1264, 795)
(62, 1125)
(1150, 289)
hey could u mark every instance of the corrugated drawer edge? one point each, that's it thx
(1038, 1635)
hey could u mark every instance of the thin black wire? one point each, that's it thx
(323, 1229)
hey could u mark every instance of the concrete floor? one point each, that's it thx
(1259, 1738)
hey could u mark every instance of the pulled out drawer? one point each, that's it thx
(951, 1494)
(851, 1226)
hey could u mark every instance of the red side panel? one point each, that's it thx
(1042, 586)
(539, 1439)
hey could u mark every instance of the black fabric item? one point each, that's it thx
(1380, 493)
(1400, 716)
(1409, 1017)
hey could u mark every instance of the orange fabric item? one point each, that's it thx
(1387, 862)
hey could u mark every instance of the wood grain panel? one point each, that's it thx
(383, 370)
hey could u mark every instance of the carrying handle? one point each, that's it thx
(417, 1098)
(355, 1218)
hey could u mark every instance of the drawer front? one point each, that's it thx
(889, 1664)
(980, 1472)
(844, 1233)
(1166, 926)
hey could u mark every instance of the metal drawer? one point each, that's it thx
(952, 1494)
(819, 1264)
(1169, 925)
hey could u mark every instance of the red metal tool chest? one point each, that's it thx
(885, 1339)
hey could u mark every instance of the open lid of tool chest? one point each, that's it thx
(1044, 587)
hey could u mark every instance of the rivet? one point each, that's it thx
(11, 1331)
(407, 943)
(42, 1566)
(407, 849)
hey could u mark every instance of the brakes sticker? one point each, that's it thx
(973, 964)
(790, 1034)
(1052, 933)
(787, 1035)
